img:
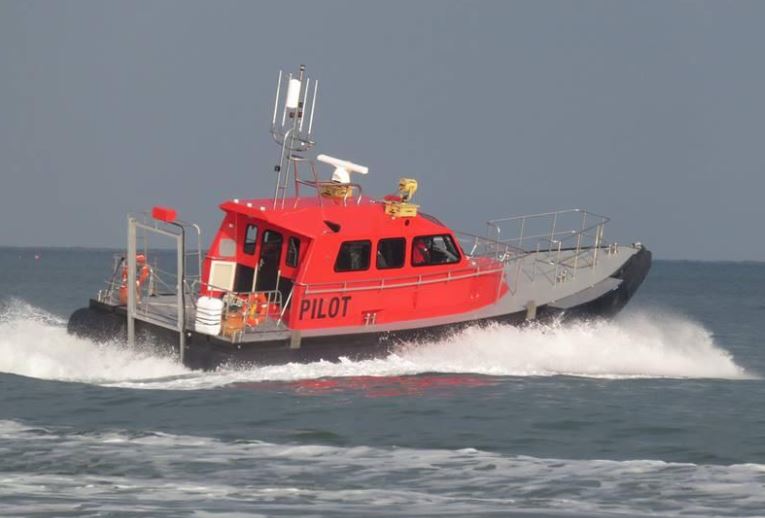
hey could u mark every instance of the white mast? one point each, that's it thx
(293, 94)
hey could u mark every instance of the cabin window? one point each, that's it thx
(391, 253)
(272, 242)
(430, 250)
(250, 238)
(293, 252)
(353, 256)
(227, 247)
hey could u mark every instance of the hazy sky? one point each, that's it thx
(650, 112)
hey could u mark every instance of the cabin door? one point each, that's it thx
(270, 258)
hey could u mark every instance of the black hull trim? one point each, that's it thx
(101, 322)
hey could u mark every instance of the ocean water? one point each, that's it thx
(659, 412)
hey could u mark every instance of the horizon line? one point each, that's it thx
(119, 249)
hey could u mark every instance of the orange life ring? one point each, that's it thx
(258, 308)
(143, 274)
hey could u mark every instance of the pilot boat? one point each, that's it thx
(323, 271)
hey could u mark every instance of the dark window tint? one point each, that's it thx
(293, 252)
(272, 238)
(271, 246)
(250, 238)
(391, 253)
(353, 256)
(270, 257)
(428, 250)
(243, 279)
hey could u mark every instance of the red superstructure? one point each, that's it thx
(347, 263)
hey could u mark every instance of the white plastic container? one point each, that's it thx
(209, 316)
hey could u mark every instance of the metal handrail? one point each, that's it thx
(273, 297)
(582, 237)
(391, 283)
(487, 247)
(553, 235)
(605, 219)
(495, 223)
(148, 220)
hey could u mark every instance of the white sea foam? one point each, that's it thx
(204, 474)
(34, 343)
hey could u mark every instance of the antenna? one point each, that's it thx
(293, 94)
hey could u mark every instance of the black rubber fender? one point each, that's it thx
(99, 326)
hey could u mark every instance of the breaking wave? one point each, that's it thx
(35, 343)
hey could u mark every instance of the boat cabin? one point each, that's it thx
(325, 261)
(336, 258)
